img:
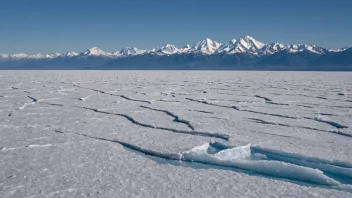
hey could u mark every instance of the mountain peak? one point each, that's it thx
(247, 44)
(70, 54)
(168, 49)
(52, 55)
(208, 40)
(169, 45)
(251, 40)
(247, 37)
(338, 50)
(206, 46)
(94, 51)
(17, 56)
(130, 51)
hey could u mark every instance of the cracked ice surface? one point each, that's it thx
(134, 133)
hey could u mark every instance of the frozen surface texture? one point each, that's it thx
(175, 134)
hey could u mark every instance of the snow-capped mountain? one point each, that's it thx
(185, 49)
(243, 52)
(25, 56)
(225, 48)
(43, 56)
(52, 55)
(130, 51)
(70, 54)
(94, 51)
(36, 56)
(246, 44)
(206, 46)
(4, 56)
(303, 47)
(13, 56)
(272, 48)
(168, 49)
(338, 50)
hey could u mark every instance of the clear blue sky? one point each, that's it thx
(33, 26)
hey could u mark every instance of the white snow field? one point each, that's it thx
(175, 134)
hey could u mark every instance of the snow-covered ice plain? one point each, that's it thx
(175, 134)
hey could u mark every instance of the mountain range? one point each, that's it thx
(244, 53)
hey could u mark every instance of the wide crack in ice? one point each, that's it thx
(263, 161)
